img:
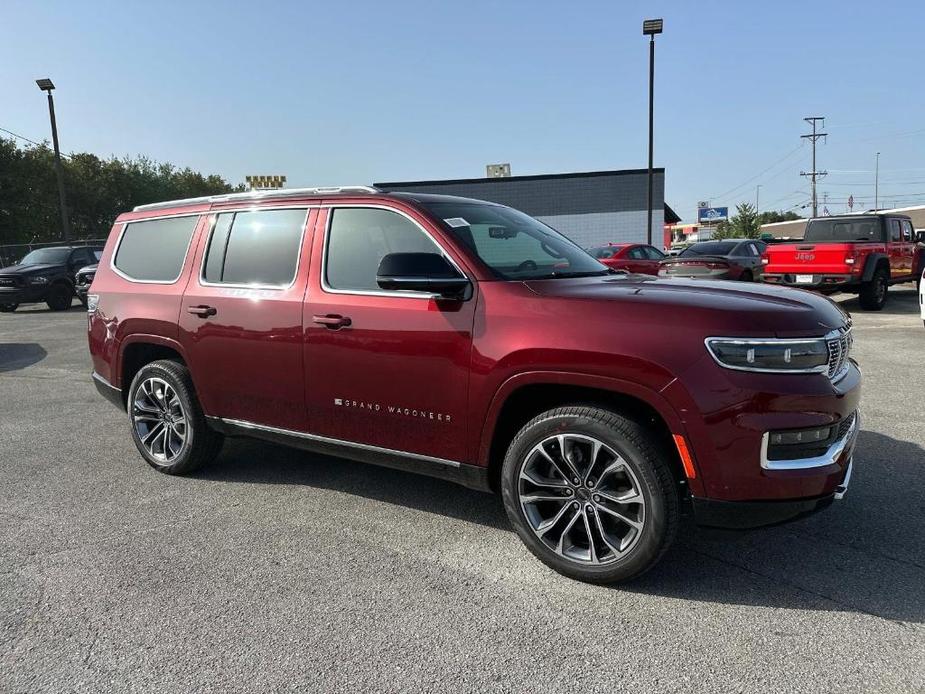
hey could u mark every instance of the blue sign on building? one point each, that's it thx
(712, 215)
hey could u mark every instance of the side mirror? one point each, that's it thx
(422, 272)
(920, 236)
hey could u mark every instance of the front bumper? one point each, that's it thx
(742, 515)
(22, 295)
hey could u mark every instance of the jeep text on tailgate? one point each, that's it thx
(862, 254)
(467, 341)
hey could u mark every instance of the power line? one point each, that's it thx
(33, 142)
(760, 173)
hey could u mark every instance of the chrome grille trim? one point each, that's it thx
(839, 344)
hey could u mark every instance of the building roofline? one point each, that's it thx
(535, 177)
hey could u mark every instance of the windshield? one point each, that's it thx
(514, 245)
(822, 230)
(47, 256)
(714, 248)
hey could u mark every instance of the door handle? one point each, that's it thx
(202, 311)
(332, 321)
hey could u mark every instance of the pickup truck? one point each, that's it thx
(861, 254)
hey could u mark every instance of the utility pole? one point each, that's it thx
(813, 175)
(757, 191)
(877, 184)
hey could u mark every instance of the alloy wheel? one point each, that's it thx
(581, 499)
(159, 419)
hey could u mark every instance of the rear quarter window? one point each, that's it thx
(153, 250)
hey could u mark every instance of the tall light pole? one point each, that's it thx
(757, 191)
(46, 85)
(650, 28)
(877, 183)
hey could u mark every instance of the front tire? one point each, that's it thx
(590, 493)
(873, 293)
(167, 423)
(8, 308)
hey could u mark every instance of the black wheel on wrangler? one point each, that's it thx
(873, 293)
(590, 493)
(59, 297)
(167, 423)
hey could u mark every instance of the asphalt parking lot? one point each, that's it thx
(278, 570)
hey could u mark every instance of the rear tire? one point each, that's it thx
(747, 276)
(59, 297)
(590, 493)
(8, 308)
(874, 293)
(166, 419)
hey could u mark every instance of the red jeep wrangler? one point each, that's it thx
(468, 341)
(861, 254)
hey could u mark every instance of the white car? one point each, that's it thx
(922, 297)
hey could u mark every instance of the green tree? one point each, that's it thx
(98, 190)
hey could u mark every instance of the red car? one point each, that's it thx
(632, 257)
(464, 340)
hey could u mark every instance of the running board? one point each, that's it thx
(471, 476)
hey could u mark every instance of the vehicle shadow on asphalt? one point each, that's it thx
(15, 356)
(864, 554)
(901, 301)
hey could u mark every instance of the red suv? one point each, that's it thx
(468, 341)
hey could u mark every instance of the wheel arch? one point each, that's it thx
(873, 262)
(522, 397)
(136, 351)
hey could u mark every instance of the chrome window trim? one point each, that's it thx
(250, 208)
(118, 246)
(327, 289)
(244, 424)
(833, 453)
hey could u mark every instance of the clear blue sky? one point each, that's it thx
(354, 92)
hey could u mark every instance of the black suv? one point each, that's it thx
(45, 274)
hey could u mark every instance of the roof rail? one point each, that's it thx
(257, 195)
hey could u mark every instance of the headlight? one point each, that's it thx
(779, 356)
(38, 279)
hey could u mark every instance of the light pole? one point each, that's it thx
(757, 191)
(877, 184)
(46, 85)
(651, 27)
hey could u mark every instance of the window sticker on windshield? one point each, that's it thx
(456, 222)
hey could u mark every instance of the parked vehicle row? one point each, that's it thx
(463, 339)
(48, 275)
(733, 259)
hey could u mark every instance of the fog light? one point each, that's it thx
(792, 438)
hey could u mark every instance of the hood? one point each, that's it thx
(721, 309)
(31, 269)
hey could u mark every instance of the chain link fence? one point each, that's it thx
(11, 254)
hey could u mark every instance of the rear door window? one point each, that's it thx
(638, 253)
(154, 250)
(258, 248)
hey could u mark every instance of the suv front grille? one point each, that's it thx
(839, 351)
(6, 282)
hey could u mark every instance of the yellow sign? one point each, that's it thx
(265, 182)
